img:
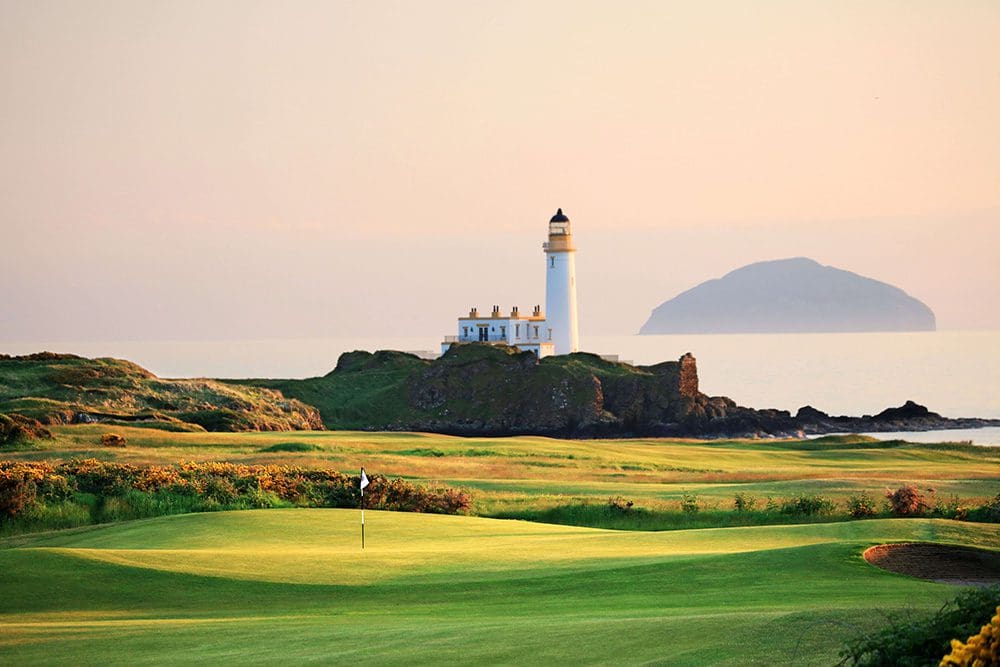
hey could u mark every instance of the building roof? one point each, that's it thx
(559, 217)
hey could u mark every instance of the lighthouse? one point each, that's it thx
(560, 286)
(554, 331)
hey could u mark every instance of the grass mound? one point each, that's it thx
(20, 432)
(58, 389)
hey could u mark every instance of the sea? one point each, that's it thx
(954, 373)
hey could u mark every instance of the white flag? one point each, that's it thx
(364, 479)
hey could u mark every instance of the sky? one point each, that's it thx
(193, 170)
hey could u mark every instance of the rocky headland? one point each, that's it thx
(472, 390)
(491, 390)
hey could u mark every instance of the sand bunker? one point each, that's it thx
(938, 562)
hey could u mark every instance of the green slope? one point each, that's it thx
(293, 586)
(56, 388)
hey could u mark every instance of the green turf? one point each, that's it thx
(293, 585)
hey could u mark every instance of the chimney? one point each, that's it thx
(474, 312)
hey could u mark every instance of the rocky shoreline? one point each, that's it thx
(472, 390)
(807, 421)
(490, 390)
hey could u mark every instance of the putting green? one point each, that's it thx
(323, 546)
(280, 586)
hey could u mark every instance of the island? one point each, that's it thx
(796, 295)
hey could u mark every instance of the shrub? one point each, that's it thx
(118, 491)
(18, 430)
(988, 512)
(112, 440)
(744, 502)
(618, 505)
(980, 649)
(689, 504)
(949, 508)
(806, 506)
(922, 641)
(862, 506)
(17, 493)
(906, 501)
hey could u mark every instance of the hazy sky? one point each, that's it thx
(253, 169)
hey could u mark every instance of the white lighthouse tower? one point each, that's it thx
(560, 286)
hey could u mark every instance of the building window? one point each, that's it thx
(550, 334)
(503, 332)
(552, 262)
(536, 332)
(465, 332)
(517, 330)
(484, 334)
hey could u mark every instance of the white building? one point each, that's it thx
(553, 332)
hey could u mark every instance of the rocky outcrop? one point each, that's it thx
(473, 389)
(492, 390)
(910, 416)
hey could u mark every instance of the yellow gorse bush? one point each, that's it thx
(982, 650)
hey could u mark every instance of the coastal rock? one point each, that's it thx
(494, 390)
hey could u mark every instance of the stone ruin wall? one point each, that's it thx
(688, 380)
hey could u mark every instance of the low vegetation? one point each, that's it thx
(65, 389)
(909, 639)
(20, 431)
(688, 513)
(40, 495)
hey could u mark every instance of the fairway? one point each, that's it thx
(293, 585)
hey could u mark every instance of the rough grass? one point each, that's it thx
(509, 474)
(54, 388)
(293, 447)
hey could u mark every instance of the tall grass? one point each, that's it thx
(593, 515)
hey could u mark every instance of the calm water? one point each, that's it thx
(955, 373)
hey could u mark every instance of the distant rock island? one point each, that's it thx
(797, 295)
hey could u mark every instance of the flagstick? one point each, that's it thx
(362, 483)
